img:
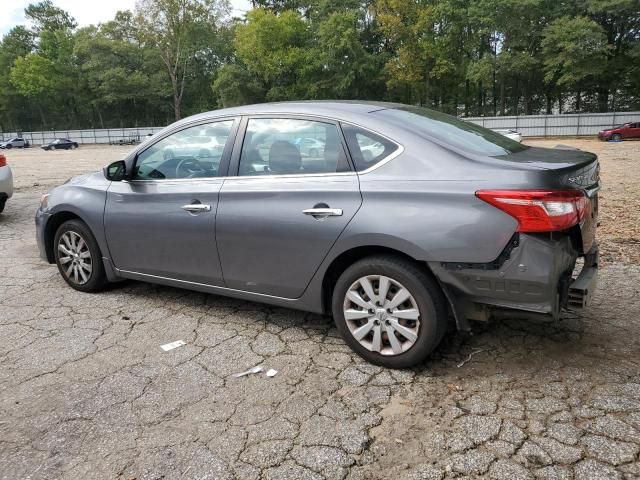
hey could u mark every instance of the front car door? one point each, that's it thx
(280, 216)
(634, 130)
(162, 221)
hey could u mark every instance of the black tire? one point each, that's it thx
(426, 292)
(616, 136)
(9, 146)
(97, 279)
(3, 202)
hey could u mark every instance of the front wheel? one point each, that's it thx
(616, 137)
(78, 257)
(389, 311)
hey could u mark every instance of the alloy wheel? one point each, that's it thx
(75, 257)
(382, 315)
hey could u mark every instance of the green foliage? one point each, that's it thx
(275, 48)
(171, 58)
(574, 50)
(46, 16)
(34, 76)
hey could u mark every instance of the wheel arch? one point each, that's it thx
(51, 228)
(348, 257)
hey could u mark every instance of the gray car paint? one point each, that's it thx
(421, 203)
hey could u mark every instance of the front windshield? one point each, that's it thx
(457, 133)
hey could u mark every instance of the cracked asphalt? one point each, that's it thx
(87, 392)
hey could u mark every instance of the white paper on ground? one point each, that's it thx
(170, 346)
(271, 373)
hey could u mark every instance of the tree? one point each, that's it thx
(344, 69)
(235, 85)
(276, 49)
(178, 30)
(574, 52)
(46, 16)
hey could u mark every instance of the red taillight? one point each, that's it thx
(540, 210)
(3, 161)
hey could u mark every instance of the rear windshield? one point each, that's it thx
(458, 134)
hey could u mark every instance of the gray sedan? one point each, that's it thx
(407, 218)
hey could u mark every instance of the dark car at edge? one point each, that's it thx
(60, 144)
(406, 219)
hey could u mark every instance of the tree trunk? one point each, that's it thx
(603, 99)
(578, 101)
(44, 122)
(560, 103)
(502, 97)
(466, 98)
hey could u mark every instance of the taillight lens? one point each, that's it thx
(540, 210)
(3, 161)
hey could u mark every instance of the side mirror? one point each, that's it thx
(116, 172)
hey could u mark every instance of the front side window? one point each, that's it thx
(194, 152)
(367, 148)
(286, 146)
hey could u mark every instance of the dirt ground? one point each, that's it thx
(86, 391)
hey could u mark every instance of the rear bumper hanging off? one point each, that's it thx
(534, 279)
(581, 289)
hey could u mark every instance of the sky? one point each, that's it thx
(85, 12)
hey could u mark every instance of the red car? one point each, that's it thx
(621, 132)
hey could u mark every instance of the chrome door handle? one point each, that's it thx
(323, 212)
(196, 208)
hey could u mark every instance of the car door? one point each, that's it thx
(634, 130)
(280, 216)
(161, 222)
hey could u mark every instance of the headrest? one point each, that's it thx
(284, 158)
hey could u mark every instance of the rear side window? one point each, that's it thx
(458, 134)
(289, 146)
(367, 148)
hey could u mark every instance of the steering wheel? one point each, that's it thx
(189, 168)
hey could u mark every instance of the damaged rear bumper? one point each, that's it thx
(534, 276)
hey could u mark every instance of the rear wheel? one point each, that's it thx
(78, 257)
(389, 311)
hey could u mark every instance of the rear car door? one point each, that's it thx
(162, 221)
(280, 216)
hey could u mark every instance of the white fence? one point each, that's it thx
(574, 125)
(105, 135)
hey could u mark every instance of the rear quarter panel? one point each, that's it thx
(423, 203)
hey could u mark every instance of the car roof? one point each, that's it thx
(329, 108)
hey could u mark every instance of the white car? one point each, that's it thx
(6, 182)
(310, 147)
(15, 143)
(509, 133)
